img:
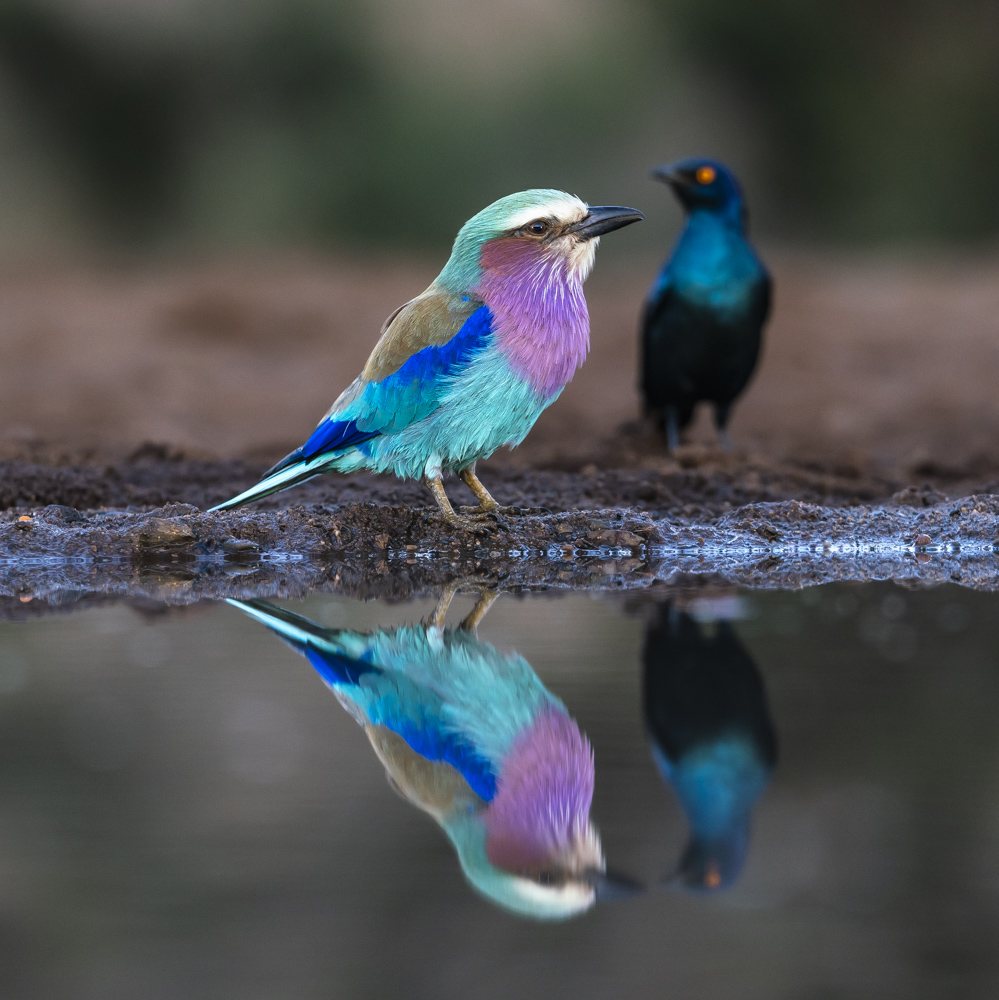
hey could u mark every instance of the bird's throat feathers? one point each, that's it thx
(535, 295)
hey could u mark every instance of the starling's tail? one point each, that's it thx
(273, 482)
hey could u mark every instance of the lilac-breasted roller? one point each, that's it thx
(472, 737)
(469, 365)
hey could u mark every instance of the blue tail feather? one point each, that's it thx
(329, 436)
(335, 668)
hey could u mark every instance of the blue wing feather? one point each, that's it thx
(409, 394)
(416, 719)
(334, 435)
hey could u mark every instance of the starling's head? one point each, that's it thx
(704, 184)
(540, 224)
(711, 865)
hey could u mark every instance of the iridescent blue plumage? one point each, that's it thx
(703, 319)
(712, 739)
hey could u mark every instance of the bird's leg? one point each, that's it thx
(471, 621)
(488, 503)
(721, 422)
(473, 522)
(436, 617)
(672, 428)
(471, 480)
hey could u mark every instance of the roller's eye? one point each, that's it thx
(538, 228)
(705, 175)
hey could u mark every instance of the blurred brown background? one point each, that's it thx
(207, 210)
(869, 365)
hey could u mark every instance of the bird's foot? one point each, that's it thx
(480, 522)
(507, 511)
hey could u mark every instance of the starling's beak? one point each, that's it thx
(609, 886)
(668, 174)
(602, 219)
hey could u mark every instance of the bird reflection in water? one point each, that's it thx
(711, 737)
(472, 737)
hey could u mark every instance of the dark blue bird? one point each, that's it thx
(703, 319)
(712, 739)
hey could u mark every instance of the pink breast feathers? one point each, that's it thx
(543, 797)
(539, 311)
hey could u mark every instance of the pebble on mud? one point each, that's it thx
(240, 545)
(612, 536)
(922, 540)
(159, 533)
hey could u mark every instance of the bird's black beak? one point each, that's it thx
(610, 886)
(602, 219)
(669, 174)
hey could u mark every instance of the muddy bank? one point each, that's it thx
(631, 470)
(179, 554)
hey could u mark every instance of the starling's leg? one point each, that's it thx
(721, 420)
(487, 503)
(471, 621)
(672, 428)
(469, 523)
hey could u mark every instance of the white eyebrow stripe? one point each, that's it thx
(567, 209)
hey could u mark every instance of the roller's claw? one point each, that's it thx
(508, 511)
(479, 524)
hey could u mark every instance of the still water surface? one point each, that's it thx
(806, 783)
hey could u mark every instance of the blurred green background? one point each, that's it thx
(186, 124)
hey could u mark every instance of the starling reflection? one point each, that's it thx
(711, 737)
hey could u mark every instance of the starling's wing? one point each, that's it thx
(423, 345)
(654, 317)
(363, 671)
(658, 301)
(764, 298)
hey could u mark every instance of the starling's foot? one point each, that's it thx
(672, 421)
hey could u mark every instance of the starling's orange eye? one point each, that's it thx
(539, 227)
(705, 175)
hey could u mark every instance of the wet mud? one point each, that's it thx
(630, 469)
(392, 545)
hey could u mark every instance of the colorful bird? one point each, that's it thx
(704, 316)
(712, 739)
(472, 737)
(470, 364)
